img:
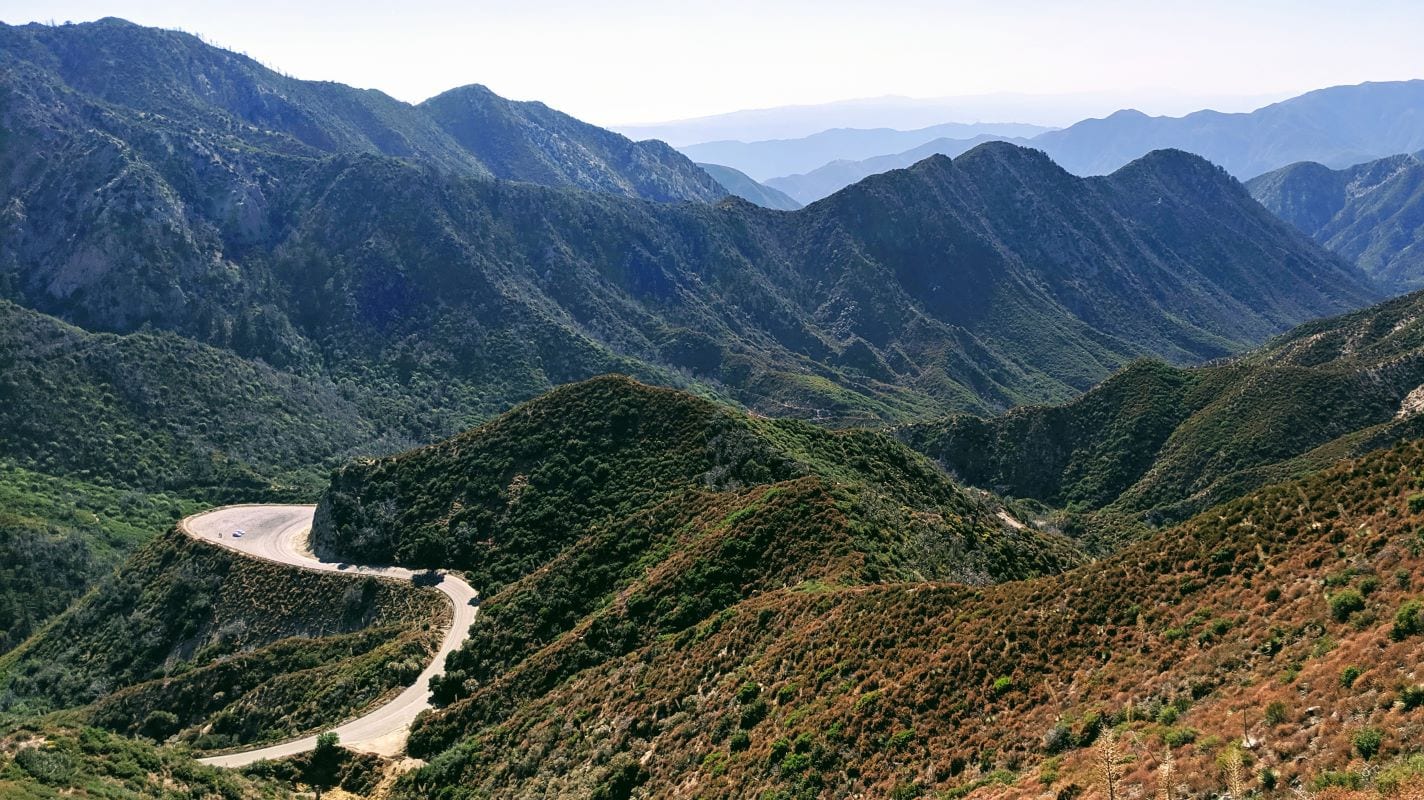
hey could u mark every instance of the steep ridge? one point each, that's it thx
(177, 78)
(1158, 442)
(1372, 214)
(503, 498)
(835, 686)
(1338, 126)
(1004, 239)
(534, 143)
(740, 184)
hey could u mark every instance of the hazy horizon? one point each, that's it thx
(638, 63)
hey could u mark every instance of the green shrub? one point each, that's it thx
(1330, 779)
(900, 740)
(47, 765)
(1408, 621)
(1003, 684)
(1276, 712)
(1179, 737)
(623, 775)
(1092, 725)
(1058, 738)
(159, 725)
(1344, 604)
(1412, 697)
(1048, 770)
(739, 742)
(1349, 675)
(753, 713)
(714, 763)
(748, 692)
(786, 694)
(1391, 779)
(906, 791)
(1367, 742)
(1416, 502)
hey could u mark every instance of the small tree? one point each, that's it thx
(320, 772)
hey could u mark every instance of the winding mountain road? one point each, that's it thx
(280, 533)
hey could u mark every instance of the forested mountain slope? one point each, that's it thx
(923, 289)
(1159, 442)
(609, 669)
(1372, 214)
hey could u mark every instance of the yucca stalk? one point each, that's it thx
(1235, 784)
(1167, 777)
(1109, 763)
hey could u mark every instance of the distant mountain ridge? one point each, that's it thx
(837, 175)
(909, 113)
(468, 131)
(1338, 126)
(1372, 213)
(775, 158)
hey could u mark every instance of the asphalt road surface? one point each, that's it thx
(280, 533)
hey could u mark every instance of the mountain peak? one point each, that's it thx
(1007, 152)
(1176, 166)
(532, 142)
(1171, 158)
(934, 161)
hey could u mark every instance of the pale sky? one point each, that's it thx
(626, 61)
